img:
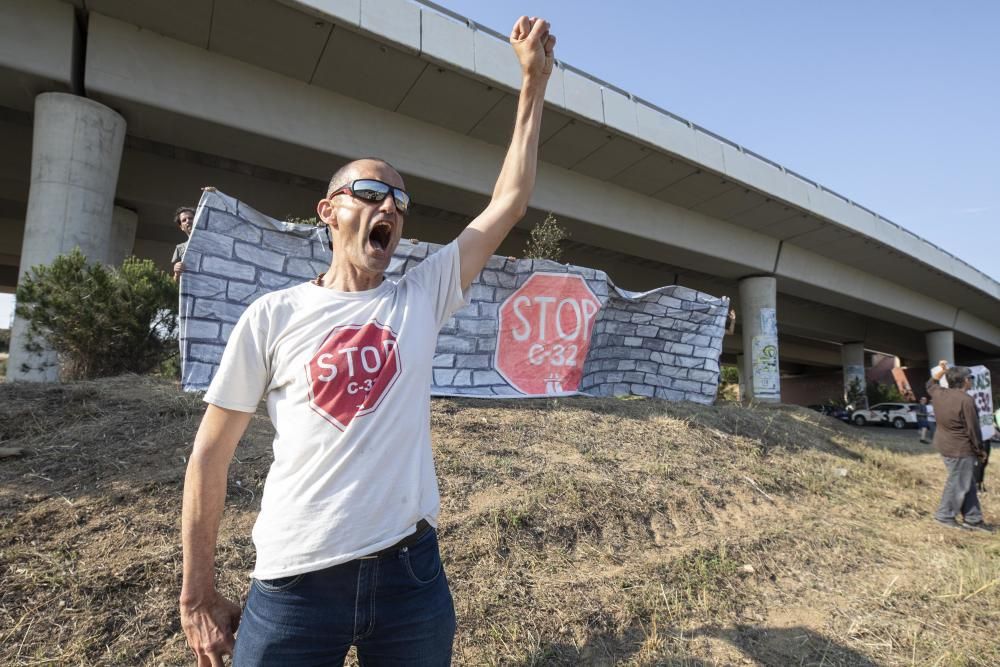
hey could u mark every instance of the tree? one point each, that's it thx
(883, 393)
(545, 239)
(856, 395)
(100, 321)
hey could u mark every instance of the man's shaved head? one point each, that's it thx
(348, 173)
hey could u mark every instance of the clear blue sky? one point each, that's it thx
(894, 104)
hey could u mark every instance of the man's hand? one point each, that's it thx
(534, 46)
(179, 267)
(209, 626)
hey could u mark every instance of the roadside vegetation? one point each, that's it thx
(574, 531)
(100, 321)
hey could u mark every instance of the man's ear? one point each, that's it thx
(327, 212)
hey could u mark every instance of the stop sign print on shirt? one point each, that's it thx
(352, 371)
(544, 333)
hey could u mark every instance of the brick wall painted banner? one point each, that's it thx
(532, 327)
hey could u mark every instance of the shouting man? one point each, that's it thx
(346, 546)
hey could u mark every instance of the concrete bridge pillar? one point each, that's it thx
(852, 357)
(758, 299)
(743, 375)
(940, 345)
(123, 224)
(76, 152)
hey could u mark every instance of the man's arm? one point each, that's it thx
(209, 620)
(534, 48)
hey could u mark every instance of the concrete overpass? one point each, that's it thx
(265, 98)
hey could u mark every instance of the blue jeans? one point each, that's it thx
(396, 609)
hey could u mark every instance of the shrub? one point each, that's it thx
(100, 321)
(729, 375)
(314, 221)
(4, 340)
(856, 396)
(883, 393)
(545, 239)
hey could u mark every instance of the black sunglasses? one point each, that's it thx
(369, 189)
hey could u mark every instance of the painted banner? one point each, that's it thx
(982, 394)
(545, 331)
(531, 328)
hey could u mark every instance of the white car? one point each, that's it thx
(899, 415)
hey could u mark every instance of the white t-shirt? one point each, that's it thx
(347, 378)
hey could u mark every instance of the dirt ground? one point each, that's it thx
(574, 531)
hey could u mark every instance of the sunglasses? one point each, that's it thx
(369, 189)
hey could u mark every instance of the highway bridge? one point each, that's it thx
(114, 112)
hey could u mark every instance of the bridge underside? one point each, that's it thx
(267, 120)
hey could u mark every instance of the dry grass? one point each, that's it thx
(577, 531)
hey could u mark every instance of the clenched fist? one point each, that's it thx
(534, 46)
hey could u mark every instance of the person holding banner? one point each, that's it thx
(959, 440)
(347, 552)
(184, 219)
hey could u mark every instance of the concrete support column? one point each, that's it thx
(123, 224)
(852, 357)
(758, 298)
(75, 156)
(940, 345)
(743, 375)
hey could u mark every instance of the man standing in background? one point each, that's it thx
(959, 440)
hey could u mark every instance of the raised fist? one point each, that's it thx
(534, 46)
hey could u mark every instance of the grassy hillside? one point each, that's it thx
(577, 531)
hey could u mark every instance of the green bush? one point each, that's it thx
(4, 340)
(883, 393)
(729, 375)
(545, 239)
(100, 321)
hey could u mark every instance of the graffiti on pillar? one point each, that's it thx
(768, 322)
(764, 366)
(982, 393)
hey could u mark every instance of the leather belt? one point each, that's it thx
(408, 541)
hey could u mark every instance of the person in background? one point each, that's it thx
(923, 423)
(959, 440)
(183, 218)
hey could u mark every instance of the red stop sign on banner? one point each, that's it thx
(545, 333)
(352, 372)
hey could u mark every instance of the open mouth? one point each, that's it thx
(380, 236)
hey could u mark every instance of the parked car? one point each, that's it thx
(899, 415)
(834, 411)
